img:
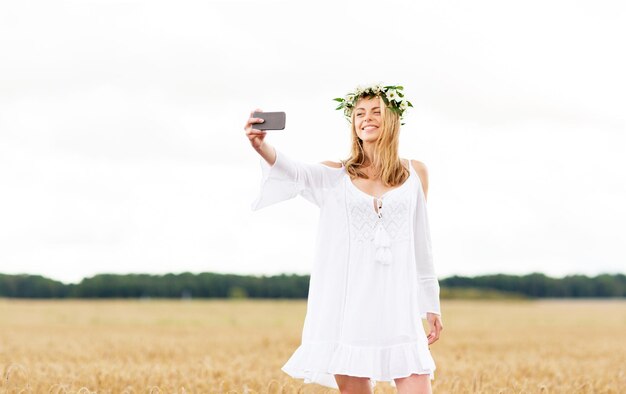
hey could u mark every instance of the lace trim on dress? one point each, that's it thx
(390, 224)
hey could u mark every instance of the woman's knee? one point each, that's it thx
(414, 384)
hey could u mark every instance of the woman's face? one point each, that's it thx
(367, 119)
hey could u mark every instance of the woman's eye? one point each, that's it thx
(377, 113)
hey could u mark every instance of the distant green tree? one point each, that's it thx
(214, 285)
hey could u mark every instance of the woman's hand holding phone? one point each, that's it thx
(255, 136)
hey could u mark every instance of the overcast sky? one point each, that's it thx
(122, 146)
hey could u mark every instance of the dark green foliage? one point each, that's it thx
(214, 285)
(542, 286)
(31, 286)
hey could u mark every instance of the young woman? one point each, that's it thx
(372, 279)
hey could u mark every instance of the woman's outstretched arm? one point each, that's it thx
(283, 177)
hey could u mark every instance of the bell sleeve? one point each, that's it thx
(288, 178)
(428, 285)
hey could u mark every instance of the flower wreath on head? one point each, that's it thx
(391, 95)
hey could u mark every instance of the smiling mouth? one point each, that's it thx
(369, 128)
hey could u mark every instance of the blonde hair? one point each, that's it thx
(385, 163)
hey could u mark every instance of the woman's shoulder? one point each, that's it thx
(419, 166)
(422, 171)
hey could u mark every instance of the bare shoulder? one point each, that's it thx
(332, 164)
(422, 171)
(420, 167)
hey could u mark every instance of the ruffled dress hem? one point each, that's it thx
(318, 362)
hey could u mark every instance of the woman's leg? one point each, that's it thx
(414, 384)
(353, 384)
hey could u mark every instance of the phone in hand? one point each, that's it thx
(272, 120)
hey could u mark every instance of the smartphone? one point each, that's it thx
(273, 120)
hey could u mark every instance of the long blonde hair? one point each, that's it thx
(386, 163)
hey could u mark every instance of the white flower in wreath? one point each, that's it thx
(404, 105)
(392, 95)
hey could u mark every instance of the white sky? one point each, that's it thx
(122, 146)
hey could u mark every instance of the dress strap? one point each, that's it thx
(410, 165)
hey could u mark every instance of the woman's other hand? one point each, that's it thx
(435, 326)
(255, 136)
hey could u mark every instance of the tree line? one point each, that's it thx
(215, 285)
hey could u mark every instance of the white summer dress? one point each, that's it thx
(372, 279)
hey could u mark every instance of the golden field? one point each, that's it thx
(238, 346)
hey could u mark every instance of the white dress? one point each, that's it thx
(369, 288)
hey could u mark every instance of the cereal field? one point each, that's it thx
(239, 346)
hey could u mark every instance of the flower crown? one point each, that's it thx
(391, 95)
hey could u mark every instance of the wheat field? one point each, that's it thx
(238, 346)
